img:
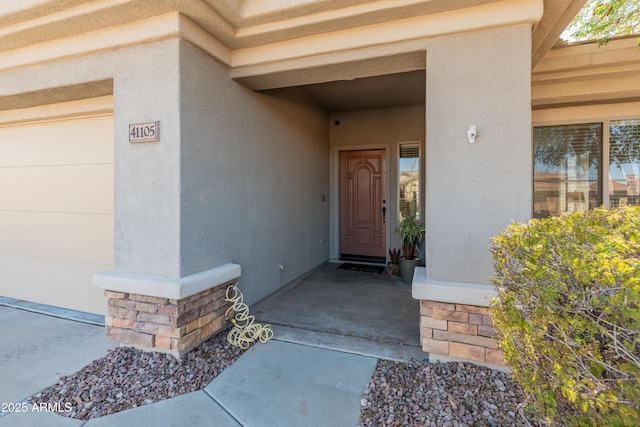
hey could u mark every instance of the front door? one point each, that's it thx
(362, 206)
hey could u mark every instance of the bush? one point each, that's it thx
(568, 315)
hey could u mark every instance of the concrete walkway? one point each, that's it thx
(330, 330)
(273, 384)
(36, 349)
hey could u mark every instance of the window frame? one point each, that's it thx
(604, 172)
(420, 179)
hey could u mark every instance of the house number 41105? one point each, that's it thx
(144, 132)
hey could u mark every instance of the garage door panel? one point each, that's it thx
(62, 236)
(80, 188)
(78, 141)
(56, 210)
(53, 282)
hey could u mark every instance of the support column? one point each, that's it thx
(154, 302)
(473, 188)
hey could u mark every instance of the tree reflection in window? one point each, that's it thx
(624, 162)
(409, 180)
(568, 172)
(567, 165)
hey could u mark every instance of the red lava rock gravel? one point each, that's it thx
(126, 378)
(399, 394)
(440, 395)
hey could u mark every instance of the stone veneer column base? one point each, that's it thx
(163, 324)
(458, 330)
(168, 315)
(456, 322)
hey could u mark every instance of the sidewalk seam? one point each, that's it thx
(224, 408)
(49, 310)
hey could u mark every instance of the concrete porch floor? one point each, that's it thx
(363, 313)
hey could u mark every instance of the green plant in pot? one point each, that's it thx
(393, 267)
(411, 233)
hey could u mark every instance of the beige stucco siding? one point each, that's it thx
(254, 169)
(56, 210)
(475, 190)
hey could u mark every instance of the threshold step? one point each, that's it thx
(361, 346)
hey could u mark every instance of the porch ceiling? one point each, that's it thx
(392, 90)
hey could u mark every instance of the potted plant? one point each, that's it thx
(393, 267)
(411, 233)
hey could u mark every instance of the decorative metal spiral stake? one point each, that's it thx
(244, 331)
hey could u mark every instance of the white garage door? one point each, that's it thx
(56, 211)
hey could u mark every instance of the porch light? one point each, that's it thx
(471, 134)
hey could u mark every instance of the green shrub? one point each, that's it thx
(568, 315)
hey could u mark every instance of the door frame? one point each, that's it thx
(334, 199)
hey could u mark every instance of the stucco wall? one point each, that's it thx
(145, 87)
(237, 176)
(367, 128)
(254, 169)
(475, 190)
(147, 175)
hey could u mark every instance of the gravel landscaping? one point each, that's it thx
(126, 378)
(399, 394)
(440, 395)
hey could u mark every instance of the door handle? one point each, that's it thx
(384, 214)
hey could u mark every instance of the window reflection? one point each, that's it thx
(567, 164)
(409, 181)
(624, 162)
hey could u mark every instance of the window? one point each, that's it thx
(623, 185)
(568, 166)
(409, 180)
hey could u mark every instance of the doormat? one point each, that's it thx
(361, 268)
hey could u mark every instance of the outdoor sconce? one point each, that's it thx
(471, 134)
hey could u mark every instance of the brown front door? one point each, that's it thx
(362, 206)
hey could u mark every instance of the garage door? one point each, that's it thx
(56, 211)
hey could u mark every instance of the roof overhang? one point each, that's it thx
(272, 44)
(257, 32)
(585, 73)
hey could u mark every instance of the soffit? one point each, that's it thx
(244, 24)
(236, 23)
(586, 73)
(558, 14)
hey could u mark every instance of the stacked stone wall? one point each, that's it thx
(164, 324)
(460, 331)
